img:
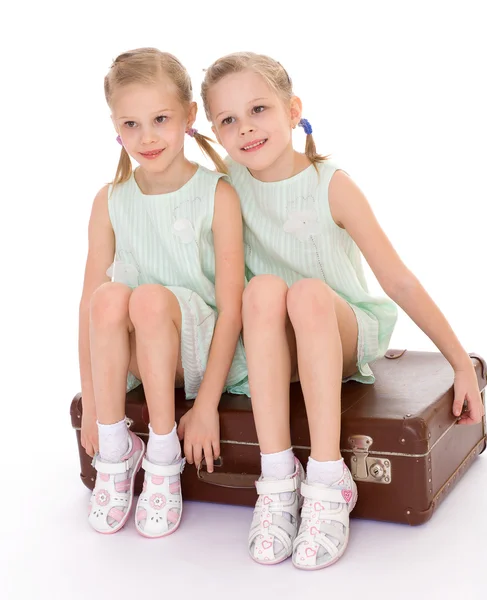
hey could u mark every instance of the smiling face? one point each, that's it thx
(151, 121)
(251, 120)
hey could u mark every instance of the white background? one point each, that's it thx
(395, 92)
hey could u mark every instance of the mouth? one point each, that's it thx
(151, 154)
(254, 145)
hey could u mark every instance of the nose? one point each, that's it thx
(149, 135)
(246, 128)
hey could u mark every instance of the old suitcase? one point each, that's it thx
(399, 439)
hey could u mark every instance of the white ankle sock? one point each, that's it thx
(113, 441)
(163, 449)
(326, 472)
(278, 464)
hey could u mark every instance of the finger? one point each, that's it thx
(476, 418)
(216, 450)
(181, 430)
(198, 454)
(466, 419)
(209, 458)
(458, 404)
(188, 451)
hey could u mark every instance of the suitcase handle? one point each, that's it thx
(242, 481)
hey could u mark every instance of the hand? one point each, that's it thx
(89, 433)
(200, 429)
(466, 389)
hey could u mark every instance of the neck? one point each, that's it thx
(288, 164)
(170, 180)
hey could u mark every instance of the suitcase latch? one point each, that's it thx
(365, 467)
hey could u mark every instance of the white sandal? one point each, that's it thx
(269, 525)
(160, 505)
(324, 531)
(112, 500)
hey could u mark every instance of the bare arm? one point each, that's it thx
(351, 211)
(230, 277)
(101, 250)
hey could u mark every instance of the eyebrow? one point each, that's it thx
(157, 112)
(249, 102)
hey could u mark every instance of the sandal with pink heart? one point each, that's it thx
(324, 531)
(276, 517)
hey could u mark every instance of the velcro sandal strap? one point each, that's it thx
(277, 487)
(163, 470)
(323, 494)
(114, 468)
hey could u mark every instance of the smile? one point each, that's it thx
(152, 154)
(255, 145)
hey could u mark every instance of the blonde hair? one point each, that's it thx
(146, 66)
(273, 73)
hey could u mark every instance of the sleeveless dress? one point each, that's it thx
(289, 232)
(167, 239)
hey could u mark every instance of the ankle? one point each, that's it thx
(163, 449)
(326, 472)
(113, 441)
(278, 464)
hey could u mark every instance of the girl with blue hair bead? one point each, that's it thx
(307, 311)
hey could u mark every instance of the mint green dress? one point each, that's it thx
(289, 232)
(167, 239)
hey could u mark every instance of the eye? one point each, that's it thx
(258, 109)
(161, 119)
(228, 121)
(130, 124)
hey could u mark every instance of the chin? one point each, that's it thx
(157, 166)
(259, 163)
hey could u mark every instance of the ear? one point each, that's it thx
(193, 109)
(296, 110)
(215, 133)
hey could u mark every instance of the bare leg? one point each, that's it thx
(326, 336)
(110, 328)
(266, 327)
(156, 317)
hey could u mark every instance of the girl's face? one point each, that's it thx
(251, 121)
(151, 120)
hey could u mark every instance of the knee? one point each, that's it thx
(109, 304)
(149, 304)
(264, 297)
(308, 300)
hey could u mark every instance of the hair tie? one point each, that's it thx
(306, 125)
(192, 132)
(119, 140)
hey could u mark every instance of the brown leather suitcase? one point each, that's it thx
(399, 438)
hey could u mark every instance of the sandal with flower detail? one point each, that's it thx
(112, 496)
(160, 505)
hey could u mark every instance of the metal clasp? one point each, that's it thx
(365, 467)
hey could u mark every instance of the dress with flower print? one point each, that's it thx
(289, 232)
(167, 239)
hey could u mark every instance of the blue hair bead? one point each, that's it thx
(306, 125)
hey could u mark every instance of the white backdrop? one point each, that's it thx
(395, 92)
